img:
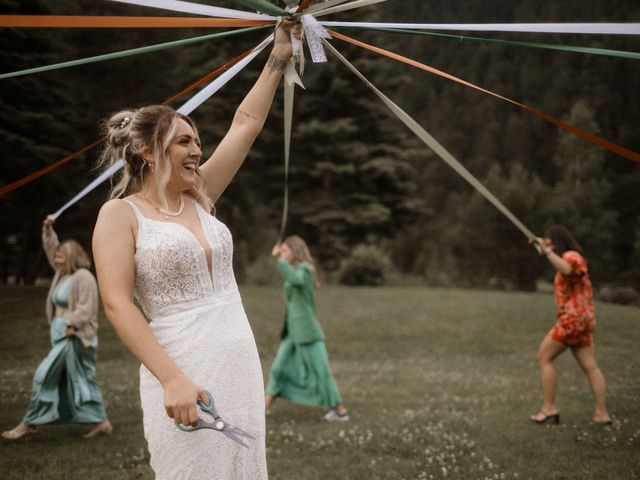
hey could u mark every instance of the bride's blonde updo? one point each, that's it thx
(152, 129)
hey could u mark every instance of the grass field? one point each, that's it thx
(439, 384)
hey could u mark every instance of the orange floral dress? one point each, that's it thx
(574, 304)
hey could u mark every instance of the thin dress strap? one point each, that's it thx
(136, 210)
(140, 218)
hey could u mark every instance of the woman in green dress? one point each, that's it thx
(64, 388)
(300, 370)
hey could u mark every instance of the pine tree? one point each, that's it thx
(582, 189)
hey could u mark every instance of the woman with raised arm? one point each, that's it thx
(64, 386)
(300, 370)
(161, 244)
(575, 322)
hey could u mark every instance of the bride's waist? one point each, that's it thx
(190, 307)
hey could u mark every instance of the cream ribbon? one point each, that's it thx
(432, 143)
(97, 181)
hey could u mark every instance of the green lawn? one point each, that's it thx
(439, 384)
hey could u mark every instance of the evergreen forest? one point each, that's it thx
(374, 203)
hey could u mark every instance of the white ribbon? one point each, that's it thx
(219, 82)
(315, 33)
(297, 52)
(185, 109)
(590, 28)
(198, 9)
(97, 181)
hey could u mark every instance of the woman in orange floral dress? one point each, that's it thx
(574, 325)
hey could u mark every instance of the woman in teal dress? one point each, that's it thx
(64, 388)
(300, 370)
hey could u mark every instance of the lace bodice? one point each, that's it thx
(171, 265)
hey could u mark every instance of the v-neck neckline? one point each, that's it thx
(209, 266)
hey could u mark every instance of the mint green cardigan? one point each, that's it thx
(301, 322)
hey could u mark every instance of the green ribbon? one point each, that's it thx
(432, 143)
(133, 51)
(321, 6)
(546, 46)
(348, 6)
(265, 7)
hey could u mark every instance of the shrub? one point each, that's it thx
(262, 271)
(621, 295)
(367, 265)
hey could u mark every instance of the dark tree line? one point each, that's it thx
(359, 180)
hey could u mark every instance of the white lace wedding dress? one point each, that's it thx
(199, 320)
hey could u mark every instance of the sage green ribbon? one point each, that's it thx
(347, 6)
(320, 6)
(546, 46)
(291, 78)
(432, 143)
(265, 7)
(133, 51)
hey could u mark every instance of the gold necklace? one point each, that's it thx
(166, 213)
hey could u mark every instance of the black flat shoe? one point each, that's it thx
(553, 419)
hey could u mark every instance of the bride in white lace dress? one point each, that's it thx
(160, 244)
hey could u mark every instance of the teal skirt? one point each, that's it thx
(301, 373)
(64, 388)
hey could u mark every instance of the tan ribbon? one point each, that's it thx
(289, 87)
(432, 143)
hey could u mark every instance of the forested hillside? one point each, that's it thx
(362, 186)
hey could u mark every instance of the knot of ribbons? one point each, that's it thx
(314, 32)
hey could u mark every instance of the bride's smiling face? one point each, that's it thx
(185, 155)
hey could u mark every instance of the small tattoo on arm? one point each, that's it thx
(252, 117)
(276, 64)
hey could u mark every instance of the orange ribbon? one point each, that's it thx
(78, 21)
(303, 5)
(601, 142)
(29, 178)
(209, 76)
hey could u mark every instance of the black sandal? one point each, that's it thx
(554, 419)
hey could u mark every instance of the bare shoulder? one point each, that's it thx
(116, 207)
(115, 217)
(116, 211)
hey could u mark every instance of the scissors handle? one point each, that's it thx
(210, 405)
(218, 424)
(210, 408)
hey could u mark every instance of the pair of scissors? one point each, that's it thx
(218, 423)
(210, 408)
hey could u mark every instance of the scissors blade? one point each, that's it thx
(234, 433)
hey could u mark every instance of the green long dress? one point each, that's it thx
(64, 386)
(300, 371)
